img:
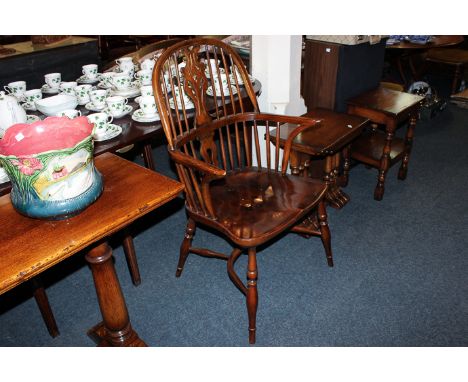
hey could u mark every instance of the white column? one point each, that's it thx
(276, 62)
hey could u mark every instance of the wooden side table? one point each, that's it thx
(382, 150)
(30, 246)
(328, 140)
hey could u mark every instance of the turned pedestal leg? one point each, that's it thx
(252, 294)
(403, 171)
(385, 160)
(115, 330)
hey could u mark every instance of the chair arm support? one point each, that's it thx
(205, 168)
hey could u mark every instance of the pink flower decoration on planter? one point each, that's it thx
(28, 166)
(59, 173)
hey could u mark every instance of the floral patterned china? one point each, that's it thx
(127, 109)
(32, 118)
(92, 107)
(140, 116)
(51, 167)
(112, 131)
(46, 89)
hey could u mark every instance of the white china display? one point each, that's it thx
(82, 93)
(106, 79)
(16, 89)
(68, 87)
(186, 100)
(98, 97)
(239, 79)
(46, 89)
(127, 109)
(139, 116)
(147, 111)
(144, 76)
(70, 113)
(116, 105)
(32, 118)
(90, 71)
(52, 80)
(121, 81)
(52, 105)
(147, 64)
(10, 112)
(225, 93)
(125, 63)
(30, 97)
(91, 107)
(103, 127)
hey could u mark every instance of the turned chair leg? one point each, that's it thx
(252, 294)
(325, 232)
(384, 161)
(44, 307)
(185, 246)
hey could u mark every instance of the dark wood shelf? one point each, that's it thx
(369, 148)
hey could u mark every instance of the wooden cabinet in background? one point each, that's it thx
(335, 72)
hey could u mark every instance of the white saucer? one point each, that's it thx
(127, 109)
(188, 105)
(85, 80)
(28, 106)
(32, 118)
(46, 89)
(132, 91)
(139, 116)
(215, 72)
(209, 91)
(3, 176)
(90, 106)
(239, 79)
(111, 132)
(102, 85)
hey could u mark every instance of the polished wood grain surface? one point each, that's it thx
(385, 101)
(333, 132)
(30, 246)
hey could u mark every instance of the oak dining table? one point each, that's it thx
(31, 246)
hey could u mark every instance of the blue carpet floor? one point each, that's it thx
(400, 275)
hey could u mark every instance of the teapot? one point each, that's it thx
(11, 112)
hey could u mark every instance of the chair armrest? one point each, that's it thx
(205, 168)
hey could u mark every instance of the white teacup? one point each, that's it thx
(106, 78)
(116, 105)
(82, 93)
(146, 90)
(53, 80)
(101, 122)
(125, 63)
(31, 96)
(130, 72)
(68, 87)
(144, 76)
(121, 81)
(147, 64)
(90, 71)
(213, 63)
(148, 105)
(98, 97)
(70, 113)
(221, 82)
(16, 88)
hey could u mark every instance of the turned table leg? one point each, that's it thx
(115, 330)
(402, 172)
(148, 156)
(385, 161)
